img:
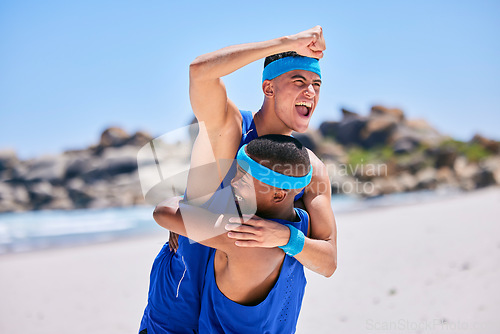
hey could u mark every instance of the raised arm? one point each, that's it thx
(220, 120)
(206, 89)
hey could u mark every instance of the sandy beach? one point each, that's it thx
(430, 267)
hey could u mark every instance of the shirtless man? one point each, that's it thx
(290, 99)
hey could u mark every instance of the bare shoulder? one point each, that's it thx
(225, 137)
(317, 202)
(217, 141)
(320, 172)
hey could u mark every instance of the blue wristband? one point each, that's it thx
(295, 243)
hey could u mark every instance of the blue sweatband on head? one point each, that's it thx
(295, 243)
(270, 177)
(287, 64)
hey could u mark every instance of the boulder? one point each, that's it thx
(426, 178)
(468, 173)
(407, 181)
(394, 113)
(328, 129)
(45, 168)
(444, 156)
(8, 159)
(465, 169)
(329, 150)
(412, 164)
(346, 132)
(405, 145)
(59, 201)
(13, 197)
(113, 137)
(488, 144)
(41, 194)
(80, 165)
(483, 178)
(446, 176)
(309, 139)
(140, 138)
(340, 180)
(416, 132)
(386, 185)
(79, 193)
(492, 164)
(112, 161)
(118, 161)
(377, 131)
(346, 114)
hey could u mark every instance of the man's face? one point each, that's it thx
(249, 193)
(296, 97)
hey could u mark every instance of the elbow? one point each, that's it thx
(331, 269)
(196, 69)
(160, 215)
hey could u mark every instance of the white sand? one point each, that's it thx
(401, 270)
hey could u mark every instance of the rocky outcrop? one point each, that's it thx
(490, 145)
(381, 153)
(99, 176)
(419, 156)
(382, 127)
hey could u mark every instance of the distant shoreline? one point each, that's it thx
(35, 231)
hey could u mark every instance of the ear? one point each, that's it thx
(279, 196)
(267, 88)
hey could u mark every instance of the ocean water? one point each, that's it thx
(35, 230)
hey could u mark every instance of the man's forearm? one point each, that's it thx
(319, 256)
(222, 62)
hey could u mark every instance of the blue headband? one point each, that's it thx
(270, 177)
(287, 64)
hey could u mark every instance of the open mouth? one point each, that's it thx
(304, 108)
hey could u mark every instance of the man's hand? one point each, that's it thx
(173, 241)
(257, 232)
(309, 43)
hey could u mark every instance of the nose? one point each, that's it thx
(310, 92)
(234, 181)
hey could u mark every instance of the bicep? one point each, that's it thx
(317, 201)
(210, 102)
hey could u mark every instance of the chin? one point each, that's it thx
(301, 128)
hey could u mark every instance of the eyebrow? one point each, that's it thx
(298, 76)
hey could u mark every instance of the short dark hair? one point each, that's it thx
(277, 56)
(283, 154)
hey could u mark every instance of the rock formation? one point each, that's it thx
(381, 153)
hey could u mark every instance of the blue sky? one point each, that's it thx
(70, 69)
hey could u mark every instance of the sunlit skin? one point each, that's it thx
(290, 89)
(283, 96)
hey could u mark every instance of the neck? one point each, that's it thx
(267, 122)
(283, 212)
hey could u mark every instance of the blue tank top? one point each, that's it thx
(278, 313)
(177, 278)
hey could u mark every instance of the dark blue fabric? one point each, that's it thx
(177, 278)
(278, 313)
(299, 195)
